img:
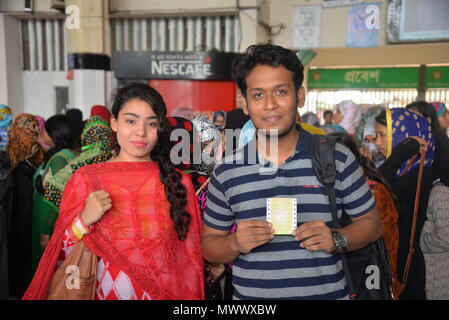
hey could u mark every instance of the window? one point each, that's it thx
(176, 33)
(44, 45)
(319, 100)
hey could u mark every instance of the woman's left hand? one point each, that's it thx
(45, 238)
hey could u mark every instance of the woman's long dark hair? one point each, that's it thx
(175, 191)
(60, 130)
(369, 170)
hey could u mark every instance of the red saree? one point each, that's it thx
(136, 234)
(389, 216)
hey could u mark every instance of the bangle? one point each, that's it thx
(84, 226)
(76, 232)
(79, 229)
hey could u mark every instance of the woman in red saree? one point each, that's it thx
(136, 212)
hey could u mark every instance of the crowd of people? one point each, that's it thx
(152, 207)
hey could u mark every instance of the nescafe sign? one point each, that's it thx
(174, 65)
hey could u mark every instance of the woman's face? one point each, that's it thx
(136, 129)
(337, 117)
(219, 121)
(443, 120)
(369, 139)
(382, 139)
(47, 139)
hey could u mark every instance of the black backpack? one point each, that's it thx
(356, 264)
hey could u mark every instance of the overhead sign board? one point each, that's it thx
(174, 65)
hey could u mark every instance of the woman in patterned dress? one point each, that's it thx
(136, 212)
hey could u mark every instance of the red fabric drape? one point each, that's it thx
(136, 234)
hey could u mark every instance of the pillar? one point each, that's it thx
(89, 62)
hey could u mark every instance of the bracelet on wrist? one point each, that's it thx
(79, 228)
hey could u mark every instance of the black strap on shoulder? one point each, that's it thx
(323, 162)
(322, 152)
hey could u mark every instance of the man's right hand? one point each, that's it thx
(251, 234)
(97, 203)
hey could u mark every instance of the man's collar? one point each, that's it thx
(303, 142)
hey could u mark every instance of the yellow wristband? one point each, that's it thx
(77, 232)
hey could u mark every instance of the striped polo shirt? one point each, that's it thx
(281, 269)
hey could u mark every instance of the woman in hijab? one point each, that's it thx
(441, 158)
(26, 155)
(42, 134)
(368, 146)
(97, 140)
(101, 111)
(310, 118)
(5, 122)
(220, 119)
(368, 117)
(442, 115)
(401, 134)
(348, 115)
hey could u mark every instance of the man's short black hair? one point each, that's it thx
(327, 112)
(266, 54)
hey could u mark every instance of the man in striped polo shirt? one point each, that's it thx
(267, 265)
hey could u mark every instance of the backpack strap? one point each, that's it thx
(322, 154)
(323, 159)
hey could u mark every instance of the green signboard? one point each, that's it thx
(437, 77)
(369, 78)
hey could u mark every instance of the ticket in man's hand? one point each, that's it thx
(281, 212)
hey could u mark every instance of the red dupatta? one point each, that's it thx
(136, 234)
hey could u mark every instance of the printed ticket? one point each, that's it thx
(281, 212)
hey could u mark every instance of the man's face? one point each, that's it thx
(328, 118)
(271, 100)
